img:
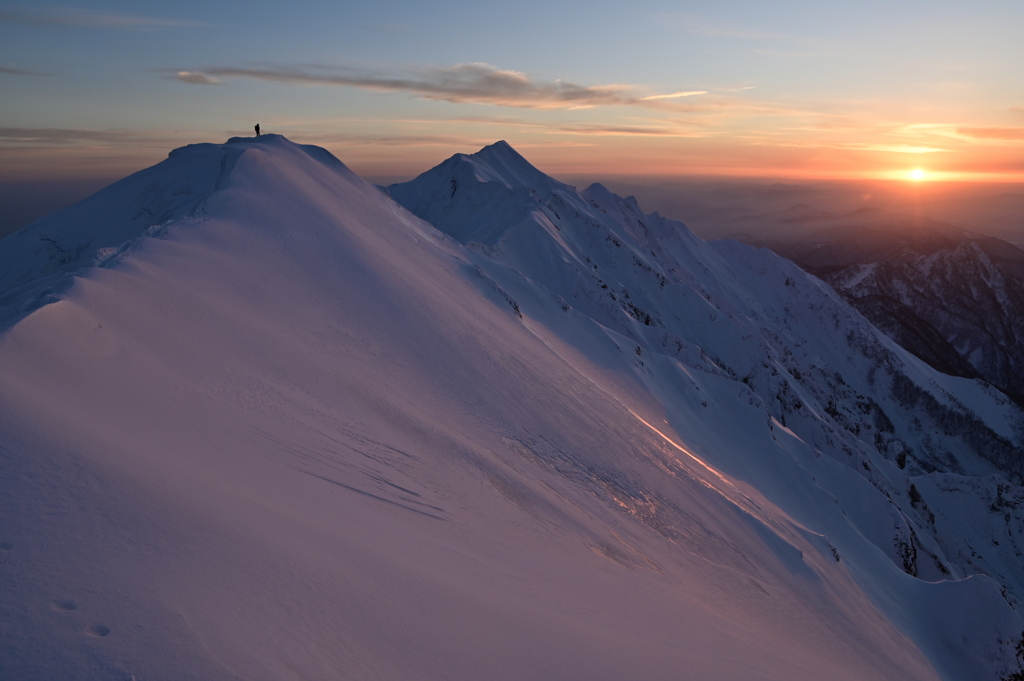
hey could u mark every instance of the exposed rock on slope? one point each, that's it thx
(953, 298)
(807, 360)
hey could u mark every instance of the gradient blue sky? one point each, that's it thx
(791, 89)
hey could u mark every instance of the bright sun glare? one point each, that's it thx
(917, 174)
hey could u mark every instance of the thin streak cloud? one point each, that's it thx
(623, 131)
(675, 95)
(20, 72)
(396, 140)
(476, 83)
(993, 133)
(195, 78)
(591, 129)
(54, 135)
(47, 137)
(80, 18)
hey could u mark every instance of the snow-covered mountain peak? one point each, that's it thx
(471, 196)
(499, 162)
(38, 262)
(573, 429)
(599, 193)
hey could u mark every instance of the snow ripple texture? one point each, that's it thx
(486, 426)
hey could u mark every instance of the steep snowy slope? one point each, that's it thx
(951, 297)
(959, 298)
(296, 432)
(826, 383)
(35, 261)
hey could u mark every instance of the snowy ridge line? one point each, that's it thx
(489, 351)
(804, 359)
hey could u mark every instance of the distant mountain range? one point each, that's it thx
(952, 297)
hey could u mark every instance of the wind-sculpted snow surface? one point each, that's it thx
(38, 261)
(708, 329)
(296, 432)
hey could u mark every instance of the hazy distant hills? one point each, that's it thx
(953, 297)
(822, 242)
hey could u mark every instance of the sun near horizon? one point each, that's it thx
(731, 93)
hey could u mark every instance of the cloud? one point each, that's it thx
(46, 138)
(624, 131)
(396, 140)
(993, 133)
(195, 78)
(80, 18)
(675, 95)
(475, 82)
(895, 148)
(663, 130)
(53, 137)
(20, 72)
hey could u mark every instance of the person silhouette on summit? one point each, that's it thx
(257, 129)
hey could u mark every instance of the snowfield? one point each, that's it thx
(260, 421)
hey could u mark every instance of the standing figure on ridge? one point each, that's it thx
(257, 129)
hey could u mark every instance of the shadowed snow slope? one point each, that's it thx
(300, 433)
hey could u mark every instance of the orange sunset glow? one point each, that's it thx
(728, 93)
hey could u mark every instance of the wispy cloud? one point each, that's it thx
(11, 71)
(81, 18)
(895, 148)
(54, 137)
(674, 95)
(735, 88)
(473, 82)
(195, 78)
(462, 83)
(658, 129)
(624, 131)
(993, 133)
(308, 136)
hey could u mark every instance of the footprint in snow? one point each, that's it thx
(97, 630)
(63, 605)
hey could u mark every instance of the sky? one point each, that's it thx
(735, 88)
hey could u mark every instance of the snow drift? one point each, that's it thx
(260, 421)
